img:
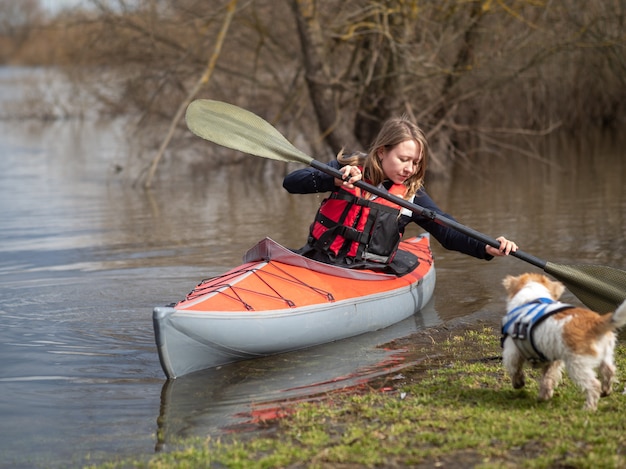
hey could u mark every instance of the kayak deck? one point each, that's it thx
(269, 284)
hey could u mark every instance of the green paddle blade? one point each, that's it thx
(599, 287)
(236, 128)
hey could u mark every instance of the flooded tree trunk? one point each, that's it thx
(446, 141)
(319, 77)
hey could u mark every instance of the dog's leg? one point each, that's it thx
(581, 371)
(550, 379)
(607, 378)
(607, 366)
(513, 362)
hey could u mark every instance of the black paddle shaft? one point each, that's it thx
(430, 214)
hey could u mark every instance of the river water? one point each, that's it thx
(85, 256)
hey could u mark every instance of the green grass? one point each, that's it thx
(457, 409)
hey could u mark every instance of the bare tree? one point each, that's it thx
(472, 73)
(17, 21)
(321, 81)
(203, 80)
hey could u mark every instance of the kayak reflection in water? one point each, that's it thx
(356, 229)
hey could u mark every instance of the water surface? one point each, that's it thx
(85, 256)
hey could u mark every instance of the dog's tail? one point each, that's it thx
(610, 322)
(618, 318)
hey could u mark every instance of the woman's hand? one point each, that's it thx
(506, 247)
(351, 174)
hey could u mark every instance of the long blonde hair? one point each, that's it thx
(393, 132)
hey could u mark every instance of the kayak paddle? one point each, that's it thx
(601, 288)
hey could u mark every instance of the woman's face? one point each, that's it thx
(401, 161)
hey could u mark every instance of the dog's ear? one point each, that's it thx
(556, 289)
(509, 282)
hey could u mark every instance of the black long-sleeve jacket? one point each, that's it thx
(310, 180)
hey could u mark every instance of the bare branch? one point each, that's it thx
(192, 93)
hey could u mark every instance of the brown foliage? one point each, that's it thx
(467, 71)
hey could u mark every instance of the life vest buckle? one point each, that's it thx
(520, 331)
(352, 234)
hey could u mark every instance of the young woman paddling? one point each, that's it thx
(356, 229)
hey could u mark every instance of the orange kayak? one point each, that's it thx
(278, 301)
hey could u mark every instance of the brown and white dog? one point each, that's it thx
(552, 335)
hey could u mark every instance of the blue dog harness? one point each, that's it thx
(519, 323)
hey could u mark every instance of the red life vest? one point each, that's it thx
(351, 229)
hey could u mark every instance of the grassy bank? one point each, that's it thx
(455, 409)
